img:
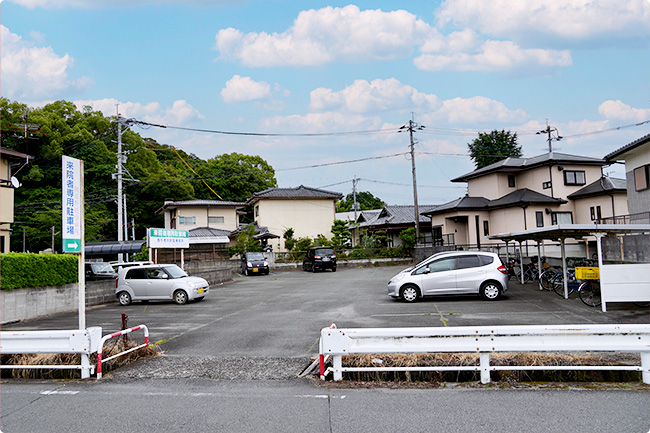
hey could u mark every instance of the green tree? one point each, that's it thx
(234, 177)
(365, 201)
(246, 241)
(303, 244)
(341, 234)
(289, 241)
(492, 147)
(408, 237)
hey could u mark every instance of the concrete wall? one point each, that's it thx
(24, 304)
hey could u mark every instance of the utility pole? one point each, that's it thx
(414, 126)
(549, 131)
(120, 214)
(354, 195)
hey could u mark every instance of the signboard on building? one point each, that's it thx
(168, 238)
(72, 208)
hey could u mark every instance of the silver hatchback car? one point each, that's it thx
(158, 282)
(452, 273)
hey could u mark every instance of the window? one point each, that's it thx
(546, 185)
(447, 264)
(187, 221)
(641, 178)
(486, 228)
(215, 220)
(471, 261)
(599, 215)
(136, 274)
(486, 260)
(592, 212)
(561, 218)
(573, 177)
(595, 213)
(539, 218)
(511, 180)
(257, 211)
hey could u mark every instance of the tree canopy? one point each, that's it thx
(365, 201)
(159, 171)
(491, 147)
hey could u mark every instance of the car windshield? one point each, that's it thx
(102, 268)
(175, 271)
(255, 256)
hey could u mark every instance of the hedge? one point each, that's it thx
(20, 270)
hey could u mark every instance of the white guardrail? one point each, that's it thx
(81, 341)
(484, 340)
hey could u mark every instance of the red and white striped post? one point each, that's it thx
(100, 361)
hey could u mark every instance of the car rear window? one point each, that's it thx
(324, 251)
(470, 261)
(486, 260)
(136, 274)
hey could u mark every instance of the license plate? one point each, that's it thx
(201, 290)
(326, 259)
(255, 269)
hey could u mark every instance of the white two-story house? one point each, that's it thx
(517, 194)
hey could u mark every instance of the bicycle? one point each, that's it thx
(589, 293)
(546, 279)
(572, 283)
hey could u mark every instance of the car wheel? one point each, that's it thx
(124, 298)
(313, 268)
(409, 293)
(180, 297)
(490, 291)
(334, 269)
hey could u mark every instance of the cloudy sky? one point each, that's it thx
(332, 82)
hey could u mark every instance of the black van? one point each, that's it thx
(319, 258)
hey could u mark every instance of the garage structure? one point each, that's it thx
(624, 264)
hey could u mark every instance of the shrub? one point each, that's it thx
(20, 270)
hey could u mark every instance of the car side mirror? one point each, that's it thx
(165, 276)
(426, 271)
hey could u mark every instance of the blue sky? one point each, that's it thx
(282, 67)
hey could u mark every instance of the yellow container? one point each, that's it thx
(585, 273)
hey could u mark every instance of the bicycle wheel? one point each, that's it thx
(558, 285)
(589, 294)
(546, 280)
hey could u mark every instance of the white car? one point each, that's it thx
(158, 282)
(452, 273)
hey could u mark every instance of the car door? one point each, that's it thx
(438, 277)
(136, 279)
(159, 285)
(469, 273)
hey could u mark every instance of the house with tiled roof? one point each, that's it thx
(636, 156)
(308, 211)
(192, 214)
(392, 220)
(8, 184)
(517, 194)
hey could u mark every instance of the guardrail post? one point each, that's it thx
(337, 365)
(645, 365)
(485, 367)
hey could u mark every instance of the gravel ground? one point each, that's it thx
(214, 367)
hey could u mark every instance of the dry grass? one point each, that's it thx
(500, 359)
(73, 359)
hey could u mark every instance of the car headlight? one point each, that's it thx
(266, 263)
(396, 278)
(249, 264)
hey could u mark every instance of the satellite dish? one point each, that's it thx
(14, 182)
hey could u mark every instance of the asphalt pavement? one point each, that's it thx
(231, 364)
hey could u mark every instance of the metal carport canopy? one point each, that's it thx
(114, 247)
(560, 232)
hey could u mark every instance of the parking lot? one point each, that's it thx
(280, 315)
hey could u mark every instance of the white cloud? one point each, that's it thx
(620, 111)
(180, 113)
(30, 72)
(328, 34)
(491, 56)
(321, 122)
(241, 89)
(551, 19)
(378, 95)
(474, 110)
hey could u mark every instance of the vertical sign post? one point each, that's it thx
(72, 229)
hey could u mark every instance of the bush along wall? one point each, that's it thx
(21, 270)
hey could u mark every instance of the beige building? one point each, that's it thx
(308, 211)
(192, 214)
(517, 194)
(7, 186)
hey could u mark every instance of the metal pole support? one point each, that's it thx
(485, 367)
